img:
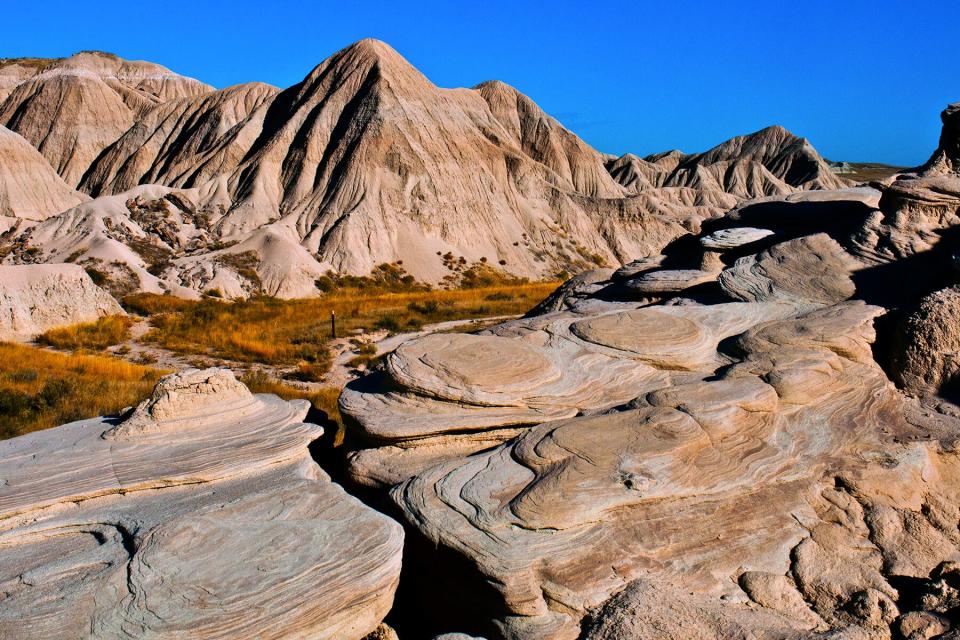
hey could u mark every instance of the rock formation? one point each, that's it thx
(29, 187)
(769, 162)
(201, 514)
(927, 353)
(364, 162)
(72, 109)
(766, 479)
(35, 298)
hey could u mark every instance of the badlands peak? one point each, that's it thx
(71, 109)
(363, 162)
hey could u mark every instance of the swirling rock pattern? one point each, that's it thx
(193, 523)
(766, 479)
(700, 482)
(448, 395)
(814, 269)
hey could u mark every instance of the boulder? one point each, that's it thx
(926, 356)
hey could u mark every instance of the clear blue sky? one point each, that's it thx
(863, 80)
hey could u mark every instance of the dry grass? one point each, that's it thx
(98, 335)
(296, 332)
(41, 389)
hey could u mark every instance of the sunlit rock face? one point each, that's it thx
(201, 514)
(720, 457)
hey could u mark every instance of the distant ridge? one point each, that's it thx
(365, 161)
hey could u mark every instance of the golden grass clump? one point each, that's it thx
(99, 335)
(41, 389)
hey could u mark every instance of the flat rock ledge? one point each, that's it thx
(185, 521)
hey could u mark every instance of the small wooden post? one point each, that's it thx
(333, 324)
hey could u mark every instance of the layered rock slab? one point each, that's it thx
(449, 395)
(208, 523)
(700, 483)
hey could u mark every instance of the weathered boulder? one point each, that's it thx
(926, 356)
(35, 298)
(186, 521)
(811, 270)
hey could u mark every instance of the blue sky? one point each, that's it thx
(864, 81)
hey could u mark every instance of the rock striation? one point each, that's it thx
(201, 514)
(765, 479)
(35, 298)
(73, 108)
(29, 187)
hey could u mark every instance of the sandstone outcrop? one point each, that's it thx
(35, 298)
(746, 471)
(766, 479)
(812, 269)
(917, 207)
(201, 514)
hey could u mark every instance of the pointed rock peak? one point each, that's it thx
(774, 134)
(494, 86)
(365, 56)
(372, 48)
(664, 155)
(370, 52)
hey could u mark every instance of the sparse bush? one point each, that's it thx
(427, 307)
(388, 323)
(99, 277)
(366, 348)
